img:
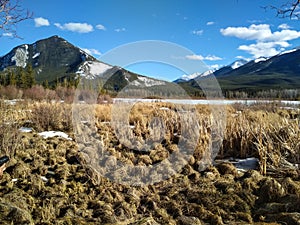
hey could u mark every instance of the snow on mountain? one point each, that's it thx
(261, 59)
(238, 63)
(196, 74)
(92, 69)
(207, 73)
(191, 76)
(288, 51)
(21, 56)
(146, 82)
(36, 55)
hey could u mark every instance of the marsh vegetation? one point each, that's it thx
(51, 181)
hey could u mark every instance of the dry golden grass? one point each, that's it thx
(271, 136)
(74, 193)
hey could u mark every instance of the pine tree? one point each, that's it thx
(21, 78)
(2, 79)
(45, 84)
(8, 78)
(29, 80)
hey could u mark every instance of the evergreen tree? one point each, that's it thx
(12, 78)
(21, 78)
(45, 84)
(29, 79)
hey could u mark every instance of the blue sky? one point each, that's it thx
(218, 32)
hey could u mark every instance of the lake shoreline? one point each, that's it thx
(208, 101)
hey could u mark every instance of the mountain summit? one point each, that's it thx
(54, 59)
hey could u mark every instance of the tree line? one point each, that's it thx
(24, 78)
(20, 77)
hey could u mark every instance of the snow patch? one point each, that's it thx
(25, 129)
(39, 71)
(191, 76)
(197, 74)
(36, 55)
(49, 134)
(238, 63)
(90, 69)
(207, 73)
(147, 82)
(13, 101)
(288, 51)
(164, 108)
(21, 56)
(260, 59)
(242, 164)
(43, 178)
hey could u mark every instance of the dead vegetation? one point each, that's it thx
(54, 181)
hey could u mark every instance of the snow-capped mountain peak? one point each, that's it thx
(190, 76)
(196, 74)
(238, 63)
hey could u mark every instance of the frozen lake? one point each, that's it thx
(207, 101)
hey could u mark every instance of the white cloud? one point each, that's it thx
(200, 57)
(266, 49)
(261, 32)
(284, 26)
(254, 32)
(76, 27)
(194, 57)
(100, 27)
(268, 43)
(212, 58)
(242, 57)
(210, 23)
(197, 32)
(40, 21)
(91, 51)
(120, 29)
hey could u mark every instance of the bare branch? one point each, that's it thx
(11, 13)
(290, 9)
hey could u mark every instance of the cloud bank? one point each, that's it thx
(267, 43)
(200, 57)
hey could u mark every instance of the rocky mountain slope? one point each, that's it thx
(55, 59)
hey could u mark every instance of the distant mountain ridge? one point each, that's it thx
(236, 64)
(281, 71)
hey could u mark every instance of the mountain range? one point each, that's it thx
(55, 59)
(281, 71)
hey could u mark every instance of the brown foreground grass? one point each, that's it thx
(48, 181)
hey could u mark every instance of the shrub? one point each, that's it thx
(10, 139)
(35, 93)
(65, 94)
(11, 92)
(51, 116)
